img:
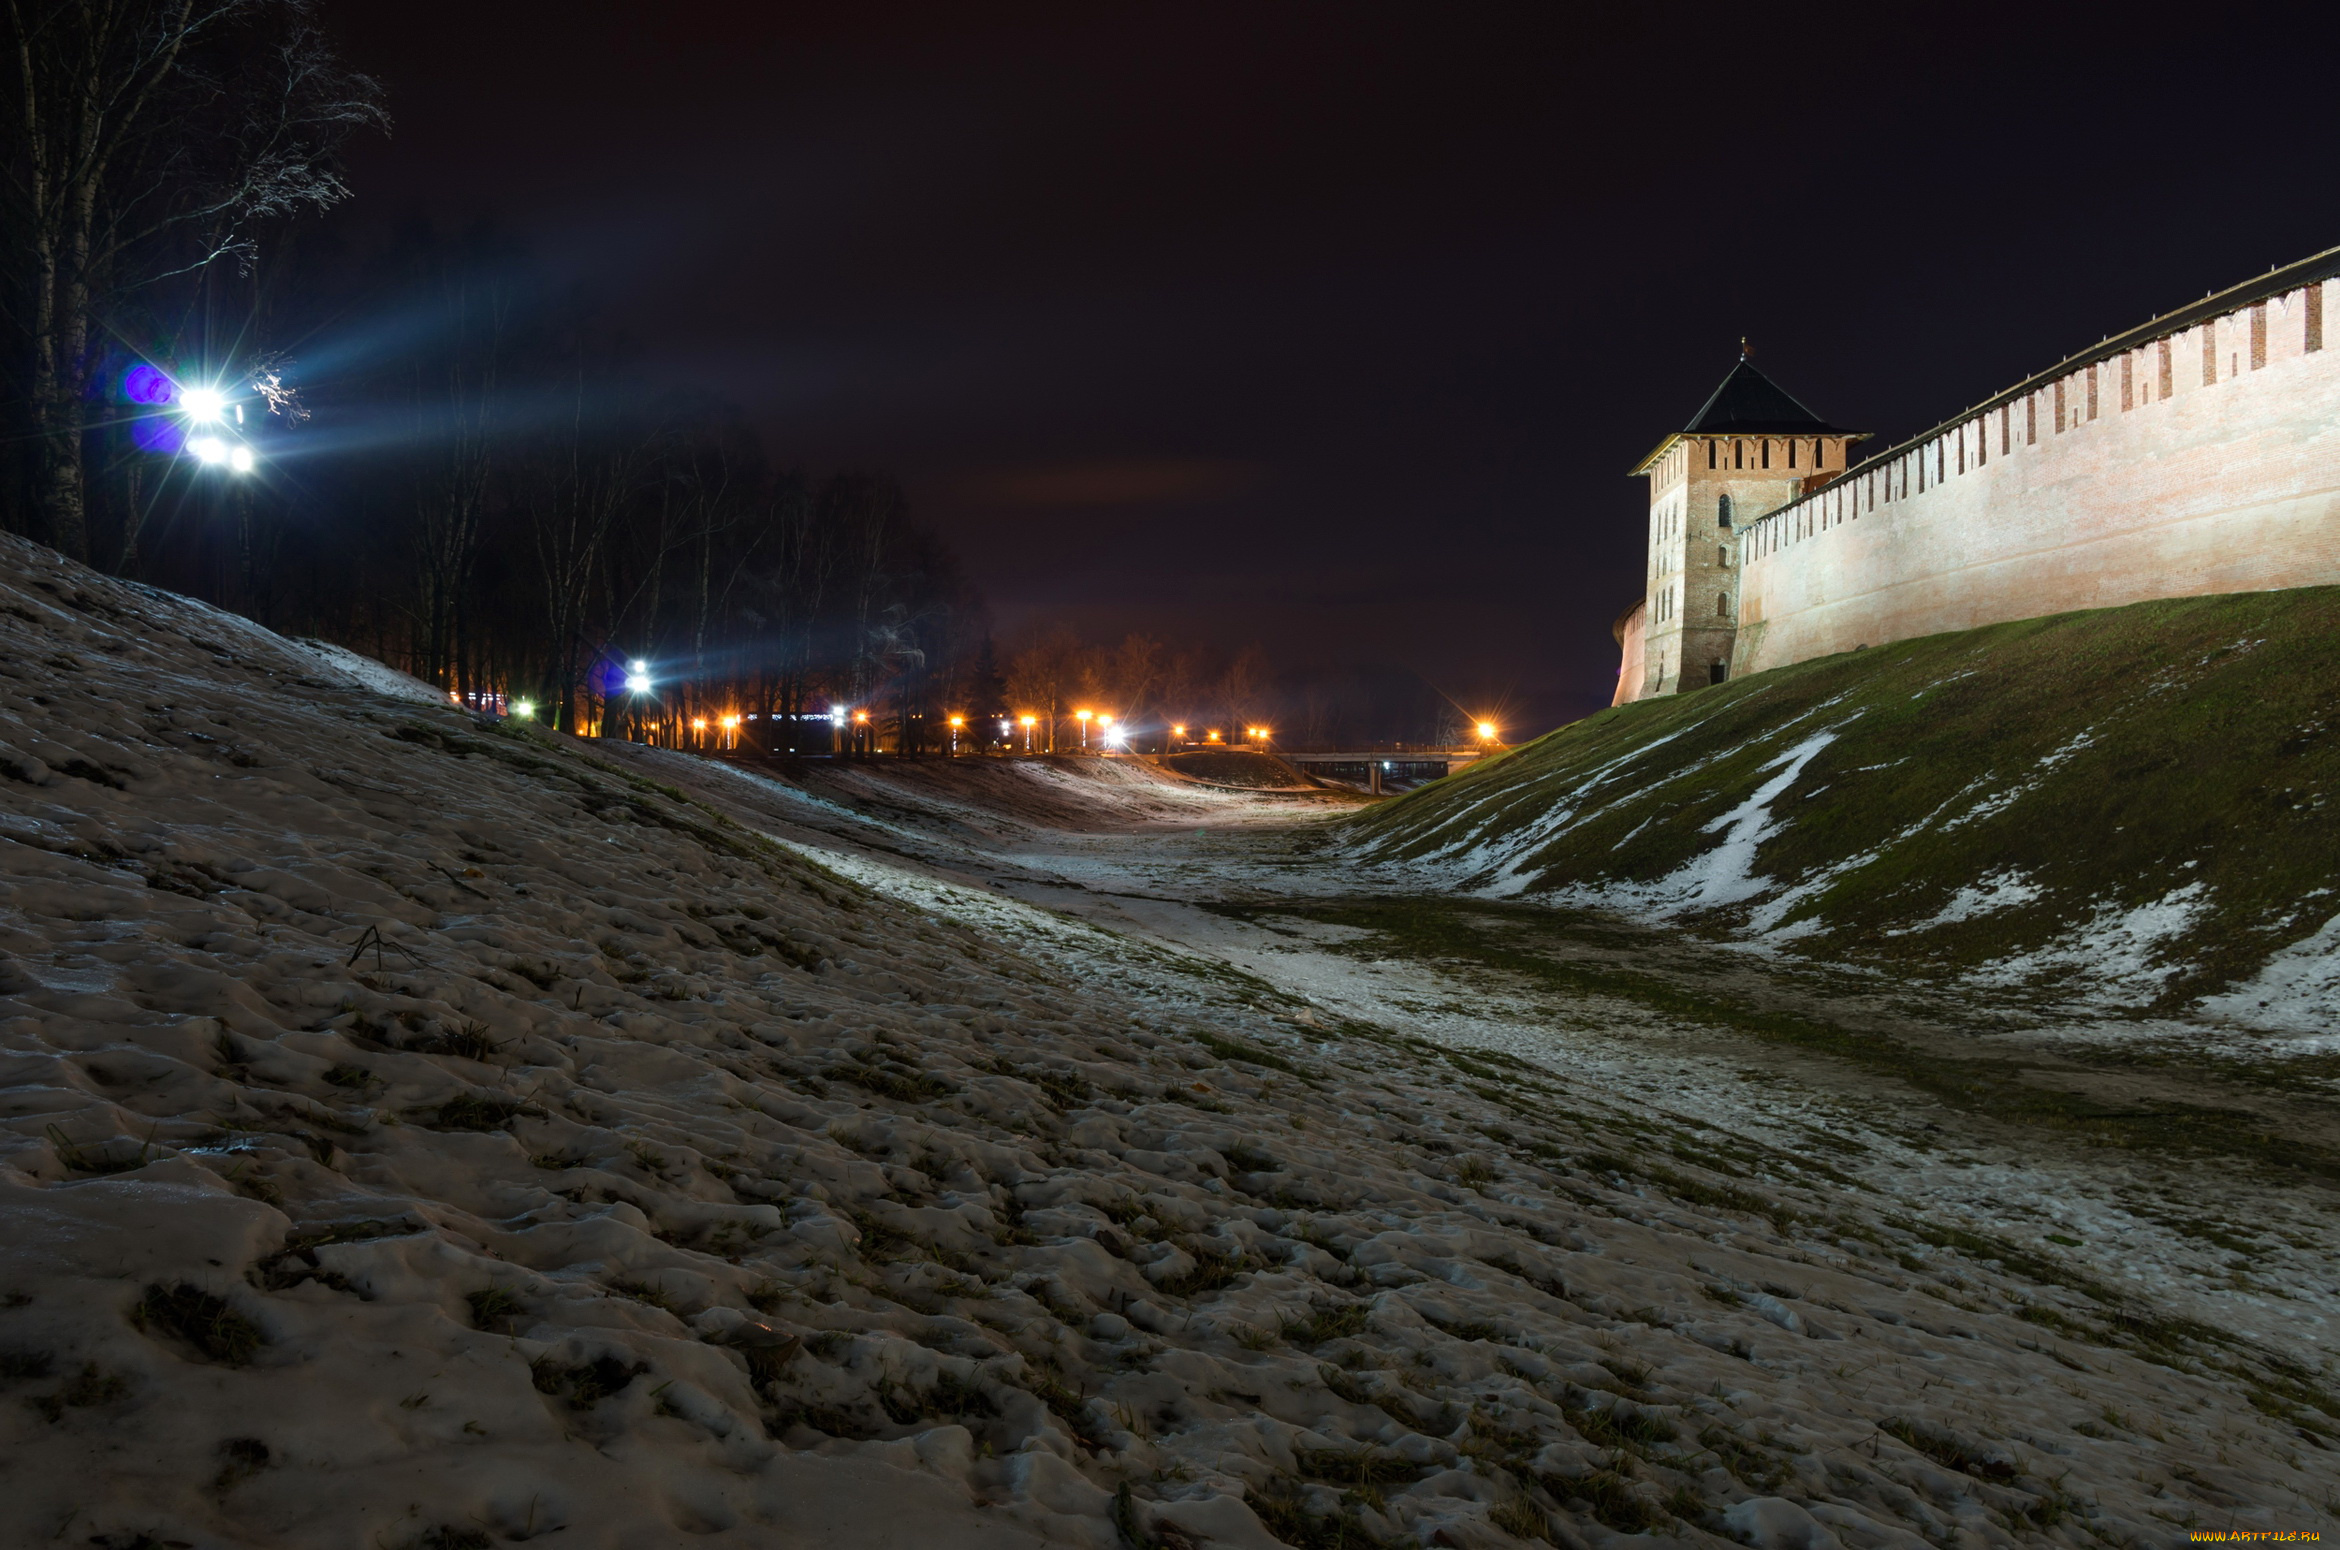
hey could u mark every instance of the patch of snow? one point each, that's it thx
(363, 672)
(2000, 891)
(2123, 952)
(2295, 991)
(1725, 874)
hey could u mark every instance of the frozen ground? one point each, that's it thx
(416, 1133)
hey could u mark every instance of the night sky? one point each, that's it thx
(1336, 328)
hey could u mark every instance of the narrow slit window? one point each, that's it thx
(2168, 377)
(2258, 336)
(2312, 303)
(1722, 511)
(2210, 354)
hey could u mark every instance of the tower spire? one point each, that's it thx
(1746, 350)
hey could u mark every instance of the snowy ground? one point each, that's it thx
(416, 1135)
(2157, 1227)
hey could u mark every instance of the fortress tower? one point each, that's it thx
(1751, 450)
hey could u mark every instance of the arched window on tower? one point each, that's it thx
(1722, 511)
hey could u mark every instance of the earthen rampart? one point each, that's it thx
(2198, 454)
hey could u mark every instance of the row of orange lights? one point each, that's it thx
(1486, 729)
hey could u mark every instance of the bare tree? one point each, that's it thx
(147, 139)
(1243, 691)
(589, 475)
(1041, 677)
(451, 396)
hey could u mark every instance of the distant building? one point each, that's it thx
(2198, 453)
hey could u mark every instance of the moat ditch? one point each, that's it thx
(2188, 1167)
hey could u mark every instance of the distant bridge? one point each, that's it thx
(1377, 771)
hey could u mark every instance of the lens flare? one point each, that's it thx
(144, 384)
(208, 449)
(202, 405)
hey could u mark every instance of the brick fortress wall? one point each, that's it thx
(2203, 460)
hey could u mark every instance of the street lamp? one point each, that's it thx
(637, 677)
(956, 723)
(1029, 723)
(1082, 717)
(202, 405)
(524, 709)
(1487, 731)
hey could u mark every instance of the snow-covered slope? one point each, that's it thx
(422, 1133)
(2126, 809)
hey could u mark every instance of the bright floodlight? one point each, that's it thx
(208, 449)
(637, 677)
(240, 459)
(836, 715)
(524, 708)
(1487, 730)
(202, 405)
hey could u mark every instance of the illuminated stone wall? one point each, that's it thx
(2203, 461)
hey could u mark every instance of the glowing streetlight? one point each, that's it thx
(1029, 723)
(208, 449)
(1178, 732)
(1082, 717)
(637, 677)
(202, 405)
(239, 460)
(698, 723)
(1487, 731)
(524, 709)
(1212, 736)
(956, 723)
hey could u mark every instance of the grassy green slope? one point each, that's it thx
(2130, 802)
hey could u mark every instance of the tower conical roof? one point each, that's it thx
(1750, 404)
